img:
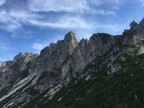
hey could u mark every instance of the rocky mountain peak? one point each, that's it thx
(70, 41)
(53, 56)
(141, 24)
(17, 57)
(135, 29)
(24, 56)
(2, 64)
(133, 24)
(70, 36)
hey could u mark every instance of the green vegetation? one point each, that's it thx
(123, 89)
(24, 73)
(5, 90)
(34, 101)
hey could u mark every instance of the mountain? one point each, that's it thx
(105, 71)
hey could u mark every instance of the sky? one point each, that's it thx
(30, 25)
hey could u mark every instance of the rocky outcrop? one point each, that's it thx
(54, 55)
(14, 71)
(141, 24)
(88, 50)
(135, 35)
(4, 65)
(53, 62)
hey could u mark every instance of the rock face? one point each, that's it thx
(4, 65)
(12, 71)
(54, 55)
(141, 24)
(135, 35)
(86, 51)
(63, 61)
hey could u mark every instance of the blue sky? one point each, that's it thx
(30, 25)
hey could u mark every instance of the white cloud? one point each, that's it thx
(7, 22)
(56, 5)
(38, 46)
(100, 2)
(142, 1)
(17, 35)
(2, 2)
(3, 46)
(2, 59)
(76, 6)
(63, 22)
(103, 12)
(22, 15)
(14, 19)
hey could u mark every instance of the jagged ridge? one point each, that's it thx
(30, 74)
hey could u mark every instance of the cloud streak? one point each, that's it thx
(63, 22)
(56, 6)
(38, 46)
(75, 6)
(2, 2)
(13, 19)
(7, 22)
(142, 1)
(3, 46)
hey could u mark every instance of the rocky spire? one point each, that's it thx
(70, 36)
(141, 24)
(53, 56)
(133, 24)
(70, 41)
(135, 28)
(20, 55)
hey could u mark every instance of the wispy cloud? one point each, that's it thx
(13, 19)
(7, 22)
(142, 1)
(76, 6)
(38, 46)
(4, 46)
(2, 2)
(5, 58)
(56, 6)
(63, 22)
(2, 59)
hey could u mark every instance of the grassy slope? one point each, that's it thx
(124, 89)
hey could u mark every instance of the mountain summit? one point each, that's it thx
(70, 74)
